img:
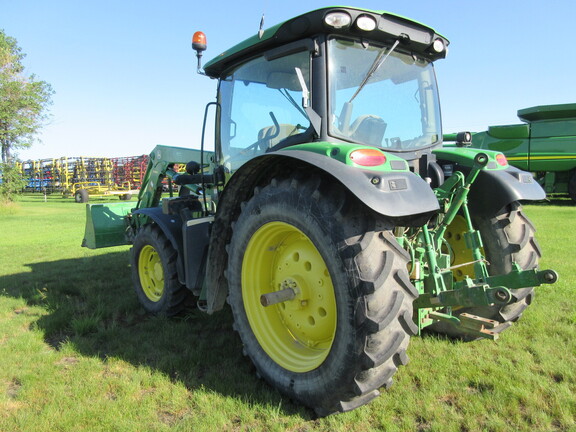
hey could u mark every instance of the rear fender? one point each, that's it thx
(396, 192)
(493, 190)
(496, 186)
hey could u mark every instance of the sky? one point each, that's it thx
(125, 80)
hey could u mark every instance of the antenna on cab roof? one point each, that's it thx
(261, 29)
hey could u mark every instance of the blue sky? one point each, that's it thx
(125, 75)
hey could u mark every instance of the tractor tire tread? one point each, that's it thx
(383, 311)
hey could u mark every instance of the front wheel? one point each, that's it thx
(154, 274)
(339, 318)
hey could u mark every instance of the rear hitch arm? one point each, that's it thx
(496, 290)
(519, 278)
(483, 295)
(476, 295)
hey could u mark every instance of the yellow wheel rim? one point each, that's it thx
(298, 333)
(461, 254)
(151, 273)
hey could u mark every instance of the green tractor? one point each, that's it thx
(328, 215)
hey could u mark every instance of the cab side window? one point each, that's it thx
(261, 106)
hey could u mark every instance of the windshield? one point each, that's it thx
(381, 97)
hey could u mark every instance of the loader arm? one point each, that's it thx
(114, 224)
(160, 159)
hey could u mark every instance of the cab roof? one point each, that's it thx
(414, 36)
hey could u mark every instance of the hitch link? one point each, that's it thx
(476, 295)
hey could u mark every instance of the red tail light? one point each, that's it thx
(501, 159)
(368, 157)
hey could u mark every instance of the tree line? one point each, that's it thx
(24, 102)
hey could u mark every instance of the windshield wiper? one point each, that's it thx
(284, 92)
(375, 66)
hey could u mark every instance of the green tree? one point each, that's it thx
(11, 182)
(23, 100)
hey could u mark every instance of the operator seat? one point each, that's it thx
(368, 129)
(271, 138)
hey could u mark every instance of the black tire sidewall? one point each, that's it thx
(502, 252)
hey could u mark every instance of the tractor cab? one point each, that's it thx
(335, 75)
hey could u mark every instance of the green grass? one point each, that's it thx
(78, 353)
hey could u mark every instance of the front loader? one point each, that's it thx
(328, 215)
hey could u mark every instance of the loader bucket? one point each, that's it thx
(106, 225)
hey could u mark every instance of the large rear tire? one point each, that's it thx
(346, 330)
(508, 237)
(154, 274)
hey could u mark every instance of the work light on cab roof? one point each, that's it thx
(366, 23)
(338, 19)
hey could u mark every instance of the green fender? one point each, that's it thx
(393, 193)
(496, 185)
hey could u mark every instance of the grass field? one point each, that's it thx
(77, 352)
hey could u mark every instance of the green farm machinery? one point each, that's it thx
(327, 213)
(545, 144)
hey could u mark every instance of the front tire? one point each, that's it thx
(154, 274)
(346, 330)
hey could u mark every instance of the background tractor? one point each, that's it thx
(327, 213)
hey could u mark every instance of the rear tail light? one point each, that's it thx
(368, 157)
(501, 159)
